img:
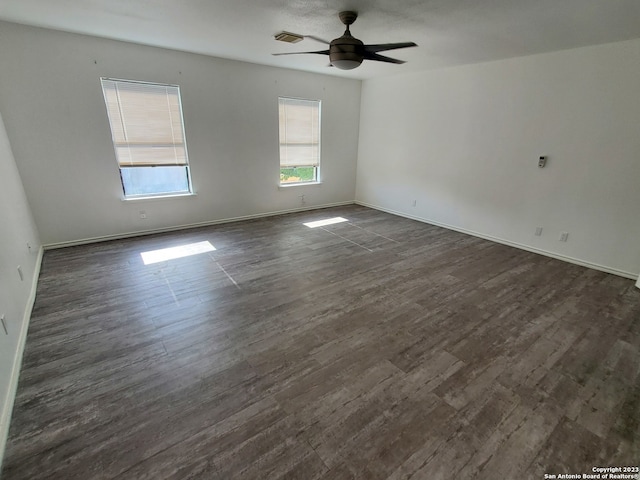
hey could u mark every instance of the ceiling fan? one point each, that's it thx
(347, 52)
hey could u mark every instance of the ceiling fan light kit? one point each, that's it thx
(347, 52)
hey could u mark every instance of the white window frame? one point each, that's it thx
(147, 152)
(314, 139)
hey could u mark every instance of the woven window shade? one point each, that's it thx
(299, 132)
(146, 123)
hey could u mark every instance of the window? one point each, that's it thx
(299, 140)
(148, 137)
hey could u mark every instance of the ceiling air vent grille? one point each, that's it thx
(288, 37)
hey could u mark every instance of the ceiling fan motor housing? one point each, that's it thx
(346, 52)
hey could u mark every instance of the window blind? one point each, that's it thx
(299, 132)
(146, 123)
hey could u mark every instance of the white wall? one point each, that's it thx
(54, 112)
(16, 296)
(464, 143)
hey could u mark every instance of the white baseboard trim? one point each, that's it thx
(5, 415)
(140, 233)
(521, 246)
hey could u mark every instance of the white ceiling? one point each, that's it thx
(448, 32)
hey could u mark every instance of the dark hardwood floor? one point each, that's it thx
(376, 348)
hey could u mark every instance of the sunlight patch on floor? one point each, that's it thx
(164, 254)
(324, 223)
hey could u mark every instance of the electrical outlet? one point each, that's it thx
(538, 231)
(563, 236)
(143, 214)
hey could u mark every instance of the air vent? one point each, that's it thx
(288, 37)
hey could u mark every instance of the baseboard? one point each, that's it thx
(5, 415)
(141, 233)
(521, 246)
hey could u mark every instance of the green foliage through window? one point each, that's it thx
(298, 174)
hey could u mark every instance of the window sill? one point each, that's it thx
(158, 197)
(291, 185)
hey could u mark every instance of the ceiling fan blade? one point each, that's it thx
(319, 52)
(381, 58)
(317, 39)
(381, 47)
